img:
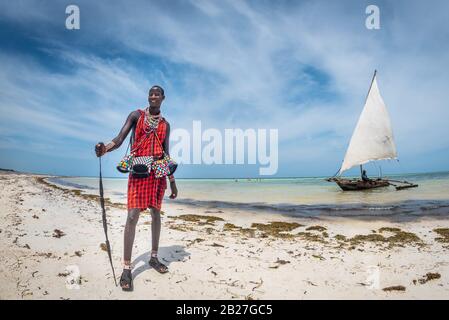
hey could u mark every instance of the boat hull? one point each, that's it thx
(356, 184)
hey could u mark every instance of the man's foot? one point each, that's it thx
(126, 280)
(157, 265)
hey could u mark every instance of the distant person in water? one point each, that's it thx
(365, 177)
(147, 192)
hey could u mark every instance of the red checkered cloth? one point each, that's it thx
(148, 192)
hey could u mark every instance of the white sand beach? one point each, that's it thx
(211, 254)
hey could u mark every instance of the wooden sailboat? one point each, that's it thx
(371, 140)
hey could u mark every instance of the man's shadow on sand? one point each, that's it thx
(166, 255)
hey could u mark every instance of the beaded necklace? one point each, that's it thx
(151, 121)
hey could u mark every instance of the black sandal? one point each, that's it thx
(126, 280)
(157, 265)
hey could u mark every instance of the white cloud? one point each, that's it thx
(233, 64)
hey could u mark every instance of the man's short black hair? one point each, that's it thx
(157, 87)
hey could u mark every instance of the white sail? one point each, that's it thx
(373, 137)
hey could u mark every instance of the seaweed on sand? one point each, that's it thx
(388, 229)
(309, 236)
(79, 193)
(58, 233)
(340, 237)
(394, 288)
(180, 227)
(428, 277)
(316, 228)
(248, 232)
(187, 219)
(230, 227)
(399, 238)
(444, 233)
(277, 229)
(197, 218)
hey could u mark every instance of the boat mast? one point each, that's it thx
(366, 98)
(372, 80)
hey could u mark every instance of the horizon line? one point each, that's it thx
(215, 178)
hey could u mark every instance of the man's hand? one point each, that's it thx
(174, 190)
(100, 149)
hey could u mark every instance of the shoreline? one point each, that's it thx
(234, 178)
(399, 211)
(212, 253)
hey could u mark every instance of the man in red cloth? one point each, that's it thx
(151, 138)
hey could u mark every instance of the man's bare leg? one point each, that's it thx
(128, 241)
(155, 235)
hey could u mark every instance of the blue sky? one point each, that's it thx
(303, 67)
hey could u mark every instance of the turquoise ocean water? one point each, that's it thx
(297, 196)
